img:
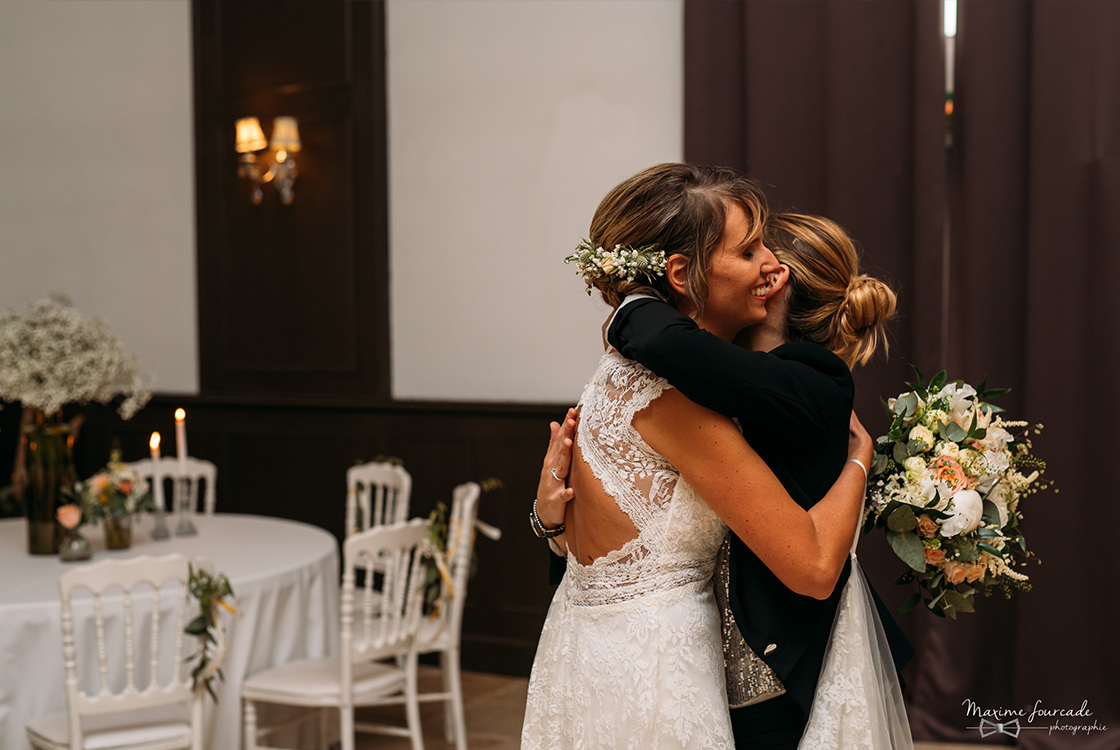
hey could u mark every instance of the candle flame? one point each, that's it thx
(154, 442)
(180, 415)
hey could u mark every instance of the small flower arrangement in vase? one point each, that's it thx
(114, 495)
(72, 546)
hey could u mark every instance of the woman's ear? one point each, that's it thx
(778, 281)
(676, 272)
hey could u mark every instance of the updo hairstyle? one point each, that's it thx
(679, 209)
(830, 302)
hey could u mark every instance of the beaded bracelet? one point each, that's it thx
(538, 527)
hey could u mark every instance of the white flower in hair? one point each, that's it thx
(623, 262)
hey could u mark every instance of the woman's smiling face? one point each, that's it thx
(738, 278)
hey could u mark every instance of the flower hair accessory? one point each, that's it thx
(621, 262)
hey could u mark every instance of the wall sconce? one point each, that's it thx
(285, 142)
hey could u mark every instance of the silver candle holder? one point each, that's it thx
(184, 509)
(160, 530)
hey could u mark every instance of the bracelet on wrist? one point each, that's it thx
(859, 463)
(538, 528)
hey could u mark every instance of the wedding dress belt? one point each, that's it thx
(593, 585)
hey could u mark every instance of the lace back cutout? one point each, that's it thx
(640, 481)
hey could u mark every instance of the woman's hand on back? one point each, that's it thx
(553, 493)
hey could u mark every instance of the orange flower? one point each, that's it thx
(956, 572)
(946, 469)
(70, 516)
(934, 556)
(125, 487)
(927, 527)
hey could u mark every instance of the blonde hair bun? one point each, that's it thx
(830, 302)
(861, 325)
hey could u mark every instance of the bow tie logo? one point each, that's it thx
(1010, 728)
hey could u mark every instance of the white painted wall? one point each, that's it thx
(509, 120)
(97, 171)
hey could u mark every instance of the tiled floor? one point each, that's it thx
(495, 706)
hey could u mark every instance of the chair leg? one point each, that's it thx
(453, 682)
(448, 715)
(412, 702)
(324, 728)
(250, 718)
(346, 726)
(197, 721)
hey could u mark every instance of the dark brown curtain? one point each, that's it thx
(836, 108)
(1035, 186)
(999, 248)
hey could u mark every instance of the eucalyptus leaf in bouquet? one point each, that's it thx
(50, 355)
(945, 489)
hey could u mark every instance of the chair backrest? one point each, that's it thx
(382, 619)
(201, 475)
(376, 494)
(460, 550)
(119, 588)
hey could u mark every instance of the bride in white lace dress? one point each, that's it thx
(630, 652)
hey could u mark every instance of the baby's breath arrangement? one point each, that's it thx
(50, 355)
(622, 262)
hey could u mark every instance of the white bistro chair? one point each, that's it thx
(443, 634)
(202, 479)
(376, 494)
(377, 627)
(155, 708)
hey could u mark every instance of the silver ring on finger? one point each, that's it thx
(553, 472)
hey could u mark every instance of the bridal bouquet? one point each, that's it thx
(946, 484)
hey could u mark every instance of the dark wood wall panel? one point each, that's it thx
(293, 300)
(294, 316)
(278, 44)
(291, 461)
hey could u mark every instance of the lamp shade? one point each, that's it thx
(285, 134)
(250, 137)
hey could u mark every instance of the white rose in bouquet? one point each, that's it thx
(968, 508)
(923, 436)
(915, 467)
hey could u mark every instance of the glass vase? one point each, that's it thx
(72, 546)
(49, 481)
(118, 532)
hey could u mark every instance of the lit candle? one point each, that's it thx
(157, 480)
(181, 440)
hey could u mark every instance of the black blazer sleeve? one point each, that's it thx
(782, 388)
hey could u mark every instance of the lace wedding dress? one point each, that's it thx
(858, 702)
(630, 653)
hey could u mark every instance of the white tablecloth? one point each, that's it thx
(284, 575)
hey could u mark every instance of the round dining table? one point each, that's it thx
(285, 579)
